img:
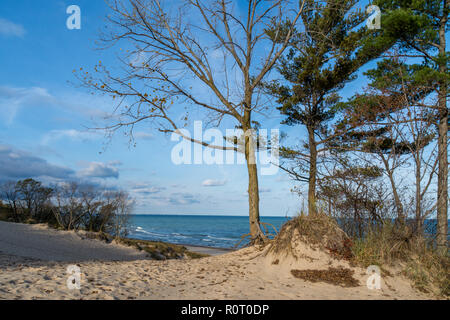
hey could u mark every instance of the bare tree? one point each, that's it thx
(33, 199)
(121, 219)
(68, 208)
(92, 204)
(212, 55)
(10, 194)
(395, 124)
(414, 127)
(377, 141)
(356, 195)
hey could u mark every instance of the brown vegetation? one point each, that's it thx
(395, 245)
(391, 246)
(337, 276)
(319, 231)
(161, 250)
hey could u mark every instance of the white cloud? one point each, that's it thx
(143, 135)
(115, 163)
(12, 99)
(182, 199)
(71, 134)
(167, 200)
(213, 183)
(18, 164)
(9, 28)
(139, 58)
(99, 170)
(149, 190)
(146, 189)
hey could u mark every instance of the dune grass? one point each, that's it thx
(385, 245)
(161, 250)
(317, 230)
(393, 245)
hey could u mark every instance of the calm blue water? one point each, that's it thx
(211, 231)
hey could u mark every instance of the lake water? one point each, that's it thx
(204, 230)
(211, 231)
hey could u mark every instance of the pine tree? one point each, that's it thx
(420, 27)
(321, 61)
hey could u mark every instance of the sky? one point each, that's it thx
(45, 119)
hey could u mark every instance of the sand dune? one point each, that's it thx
(40, 242)
(30, 273)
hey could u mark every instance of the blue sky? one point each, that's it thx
(43, 121)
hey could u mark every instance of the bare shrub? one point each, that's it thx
(317, 230)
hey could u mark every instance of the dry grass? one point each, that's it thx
(161, 250)
(399, 245)
(430, 273)
(386, 245)
(319, 231)
(336, 276)
(156, 249)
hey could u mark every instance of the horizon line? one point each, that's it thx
(200, 214)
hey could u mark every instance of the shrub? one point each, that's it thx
(396, 243)
(317, 230)
(68, 206)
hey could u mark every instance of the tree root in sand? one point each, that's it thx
(336, 276)
(259, 239)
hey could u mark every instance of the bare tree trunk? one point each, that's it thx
(398, 202)
(15, 212)
(442, 198)
(418, 197)
(257, 235)
(442, 207)
(170, 40)
(253, 202)
(312, 209)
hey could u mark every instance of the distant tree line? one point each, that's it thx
(68, 206)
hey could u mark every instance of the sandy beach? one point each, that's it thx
(34, 261)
